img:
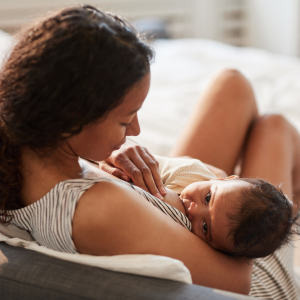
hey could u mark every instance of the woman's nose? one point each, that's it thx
(134, 128)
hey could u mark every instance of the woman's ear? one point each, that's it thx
(226, 178)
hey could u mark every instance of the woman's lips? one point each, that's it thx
(118, 146)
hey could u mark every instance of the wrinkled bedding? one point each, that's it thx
(183, 68)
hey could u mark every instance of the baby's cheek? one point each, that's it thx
(197, 233)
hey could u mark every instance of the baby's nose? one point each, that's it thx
(192, 211)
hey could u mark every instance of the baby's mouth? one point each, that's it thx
(186, 204)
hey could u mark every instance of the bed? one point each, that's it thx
(181, 71)
(183, 68)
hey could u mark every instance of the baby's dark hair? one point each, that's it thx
(263, 223)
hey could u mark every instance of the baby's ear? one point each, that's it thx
(226, 178)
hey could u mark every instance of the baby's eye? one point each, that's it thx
(204, 227)
(207, 198)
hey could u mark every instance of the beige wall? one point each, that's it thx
(179, 14)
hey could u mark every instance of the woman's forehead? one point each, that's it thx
(134, 98)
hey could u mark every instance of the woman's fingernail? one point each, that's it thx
(163, 191)
(124, 177)
(159, 196)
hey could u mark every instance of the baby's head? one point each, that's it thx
(240, 216)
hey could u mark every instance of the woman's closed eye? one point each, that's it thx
(207, 198)
(125, 124)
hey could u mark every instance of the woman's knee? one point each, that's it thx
(275, 127)
(230, 74)
(234, 84)
(232, 78)
(274, 122)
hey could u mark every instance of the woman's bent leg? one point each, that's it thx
(216, 131)
(272, 152)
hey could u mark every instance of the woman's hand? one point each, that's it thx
(132, 162)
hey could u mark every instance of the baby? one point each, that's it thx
(239, 216)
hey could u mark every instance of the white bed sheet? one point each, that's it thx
(183, 68)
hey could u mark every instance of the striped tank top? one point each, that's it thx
(49, 220)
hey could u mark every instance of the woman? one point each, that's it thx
(71, 88)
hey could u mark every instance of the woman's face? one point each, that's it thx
(99, 139)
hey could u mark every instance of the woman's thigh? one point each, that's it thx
(272, 152)
(216, 130)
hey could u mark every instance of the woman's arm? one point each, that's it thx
(113, 219)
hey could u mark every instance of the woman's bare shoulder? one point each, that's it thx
(107, 214)
(111, 219)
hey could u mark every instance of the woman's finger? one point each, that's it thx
(110, 169)
(149, 171)
(135, 173)
(154, 166)
(122, 160)
(141, 167)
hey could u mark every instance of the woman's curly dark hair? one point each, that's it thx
(65, 70)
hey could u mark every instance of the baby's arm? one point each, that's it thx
(177, 173)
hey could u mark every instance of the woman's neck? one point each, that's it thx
(41, 173)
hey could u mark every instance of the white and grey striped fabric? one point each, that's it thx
(49, 220)
(169, 210)
(274, 278)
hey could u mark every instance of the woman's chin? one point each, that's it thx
(117, 147)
